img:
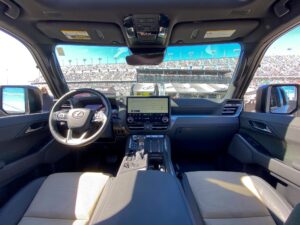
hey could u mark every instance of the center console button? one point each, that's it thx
(130, 119)
(165, 119)
(135, 137)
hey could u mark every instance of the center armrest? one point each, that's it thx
(143, 197)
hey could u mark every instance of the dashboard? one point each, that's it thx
(95, 107)
(179, 118)
(189, 123)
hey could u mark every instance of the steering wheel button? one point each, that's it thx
(61, 115)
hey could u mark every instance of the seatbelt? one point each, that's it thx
(294, 218)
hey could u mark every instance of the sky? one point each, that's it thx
(78, 55)
(18, 67)
(288, 44)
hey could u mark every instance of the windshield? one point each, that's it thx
(198, 71)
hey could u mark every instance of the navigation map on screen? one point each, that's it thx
(148, 105)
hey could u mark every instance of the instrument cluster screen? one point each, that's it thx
(148, 105)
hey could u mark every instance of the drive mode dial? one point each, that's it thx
(130, 119)
(165, 119)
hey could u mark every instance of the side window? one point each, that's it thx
(280, 65)
(23, 89)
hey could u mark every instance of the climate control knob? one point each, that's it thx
(165, 119)
(130, 119)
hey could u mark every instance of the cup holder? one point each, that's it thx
(156, 162)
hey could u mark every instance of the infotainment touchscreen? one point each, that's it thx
(148, 105)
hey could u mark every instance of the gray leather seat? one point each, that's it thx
(132, 198)
(229, 198)
(60, 199)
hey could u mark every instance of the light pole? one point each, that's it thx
(191, 55)
(236, 50)
(170, 56)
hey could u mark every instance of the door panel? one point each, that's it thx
(22, 135)
(281, 141)
(247, 153)
(25, 156)
(276, 149)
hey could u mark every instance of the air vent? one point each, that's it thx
(136, 127)
(66, 105)
(119, 131)
(154, 127)
(232, 107)
(159, 127)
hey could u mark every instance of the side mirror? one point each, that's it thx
(15, 100)
(278, 98)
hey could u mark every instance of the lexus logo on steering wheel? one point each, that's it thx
(77, 114)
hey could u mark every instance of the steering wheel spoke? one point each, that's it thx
(71, 140)
(60, 116)
(69, 137)
(99, 117)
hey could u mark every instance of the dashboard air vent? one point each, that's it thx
(66, 105)
(232, 107)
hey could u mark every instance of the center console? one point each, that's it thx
(148, 146)
(145, 190)
(147, 152)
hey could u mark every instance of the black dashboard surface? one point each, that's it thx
(197, 125)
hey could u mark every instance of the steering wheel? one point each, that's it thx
(79, 121)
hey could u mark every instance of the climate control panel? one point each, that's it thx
(153, 121)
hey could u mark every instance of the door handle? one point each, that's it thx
(34, 127)
(31, 130)
(260, 126)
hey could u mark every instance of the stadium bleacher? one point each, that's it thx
(119, 78)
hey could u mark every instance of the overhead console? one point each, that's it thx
(148, 113)
(149, 29)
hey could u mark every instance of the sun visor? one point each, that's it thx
(88, 33)
(217, 31)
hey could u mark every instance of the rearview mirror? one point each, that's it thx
(145, 59)
(277, 98)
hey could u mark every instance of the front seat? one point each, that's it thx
(230, 198)
(59, 199)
